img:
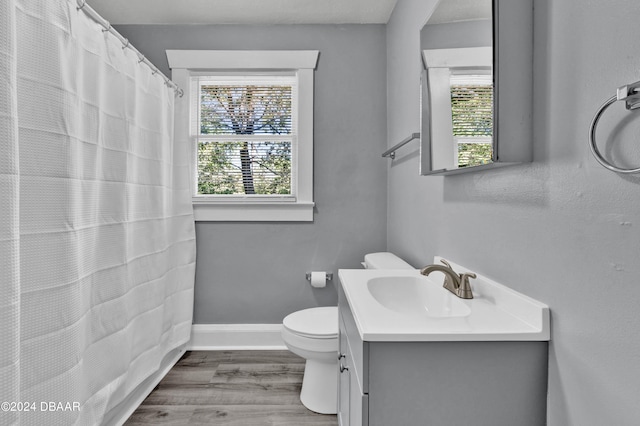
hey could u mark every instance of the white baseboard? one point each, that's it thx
(216, 337)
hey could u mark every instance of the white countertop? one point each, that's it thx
(496, 313)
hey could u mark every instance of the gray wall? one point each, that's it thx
(255, 272)
(457, 34)
(562, 229)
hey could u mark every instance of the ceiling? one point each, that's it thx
(244, 11)
(461, 10)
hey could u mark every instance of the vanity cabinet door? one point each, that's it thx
(358, 349)
(353, 403)
(359, 403)
(343, 378)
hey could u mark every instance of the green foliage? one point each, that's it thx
(220, 171)
(474, 154)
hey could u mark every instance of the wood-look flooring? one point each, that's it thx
(239, 388)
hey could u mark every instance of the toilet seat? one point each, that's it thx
(313, 323)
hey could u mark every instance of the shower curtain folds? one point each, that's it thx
(9, 218)
(97, 240)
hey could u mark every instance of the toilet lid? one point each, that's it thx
(319, 323)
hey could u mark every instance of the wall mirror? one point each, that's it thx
(476, 88)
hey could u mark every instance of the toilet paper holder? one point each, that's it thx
(328, 274)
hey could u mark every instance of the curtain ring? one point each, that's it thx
(154, 72)
(141, 59)
(84, 3)
(107, 29)
(180, 92)
(124, 46)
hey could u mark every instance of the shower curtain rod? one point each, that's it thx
(82, 5)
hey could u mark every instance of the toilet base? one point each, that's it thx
(319, 387)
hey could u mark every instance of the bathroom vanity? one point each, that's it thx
(486, 365)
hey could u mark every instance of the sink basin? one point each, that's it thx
(401, 305)
(416, 296)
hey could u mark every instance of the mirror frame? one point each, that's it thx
(512, 92)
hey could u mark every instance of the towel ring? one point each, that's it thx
(631, 95)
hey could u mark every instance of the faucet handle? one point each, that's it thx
(464, 290)
(446, 264)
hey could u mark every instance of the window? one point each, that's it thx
(248, 118)
(472, 117)
(461, 106)
(246, 136)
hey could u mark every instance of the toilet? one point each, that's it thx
(313, 335)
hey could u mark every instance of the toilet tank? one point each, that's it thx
(384, 260)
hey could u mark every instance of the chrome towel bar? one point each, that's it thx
(629, 93)
(391, 152)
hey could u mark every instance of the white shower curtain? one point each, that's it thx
(97, 244)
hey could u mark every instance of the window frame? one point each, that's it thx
(188, 63)
(245, 78)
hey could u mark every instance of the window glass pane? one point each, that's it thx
(245, 110)
(244, 167)
(472, 118)
(246, 134)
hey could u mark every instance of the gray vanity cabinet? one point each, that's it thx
(439, 383)
(353, 395)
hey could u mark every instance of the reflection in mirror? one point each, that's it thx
(456, 44)
(477, 86)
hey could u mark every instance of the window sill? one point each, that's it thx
(253, 212)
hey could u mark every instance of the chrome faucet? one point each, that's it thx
(457, 284)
